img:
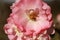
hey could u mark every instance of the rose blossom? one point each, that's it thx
(29, 20)
(58, 17)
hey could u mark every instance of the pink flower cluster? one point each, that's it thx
(29, 20)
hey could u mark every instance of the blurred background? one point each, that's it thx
(5, 11)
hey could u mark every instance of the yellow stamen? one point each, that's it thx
(18, 33)
(32, 14)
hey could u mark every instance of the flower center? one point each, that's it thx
(33, 14)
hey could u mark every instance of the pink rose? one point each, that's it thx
(28, 18)
(58, 17)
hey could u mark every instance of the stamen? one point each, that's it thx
(18, 33)
(33, 14)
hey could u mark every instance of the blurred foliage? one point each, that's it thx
(4, 13)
